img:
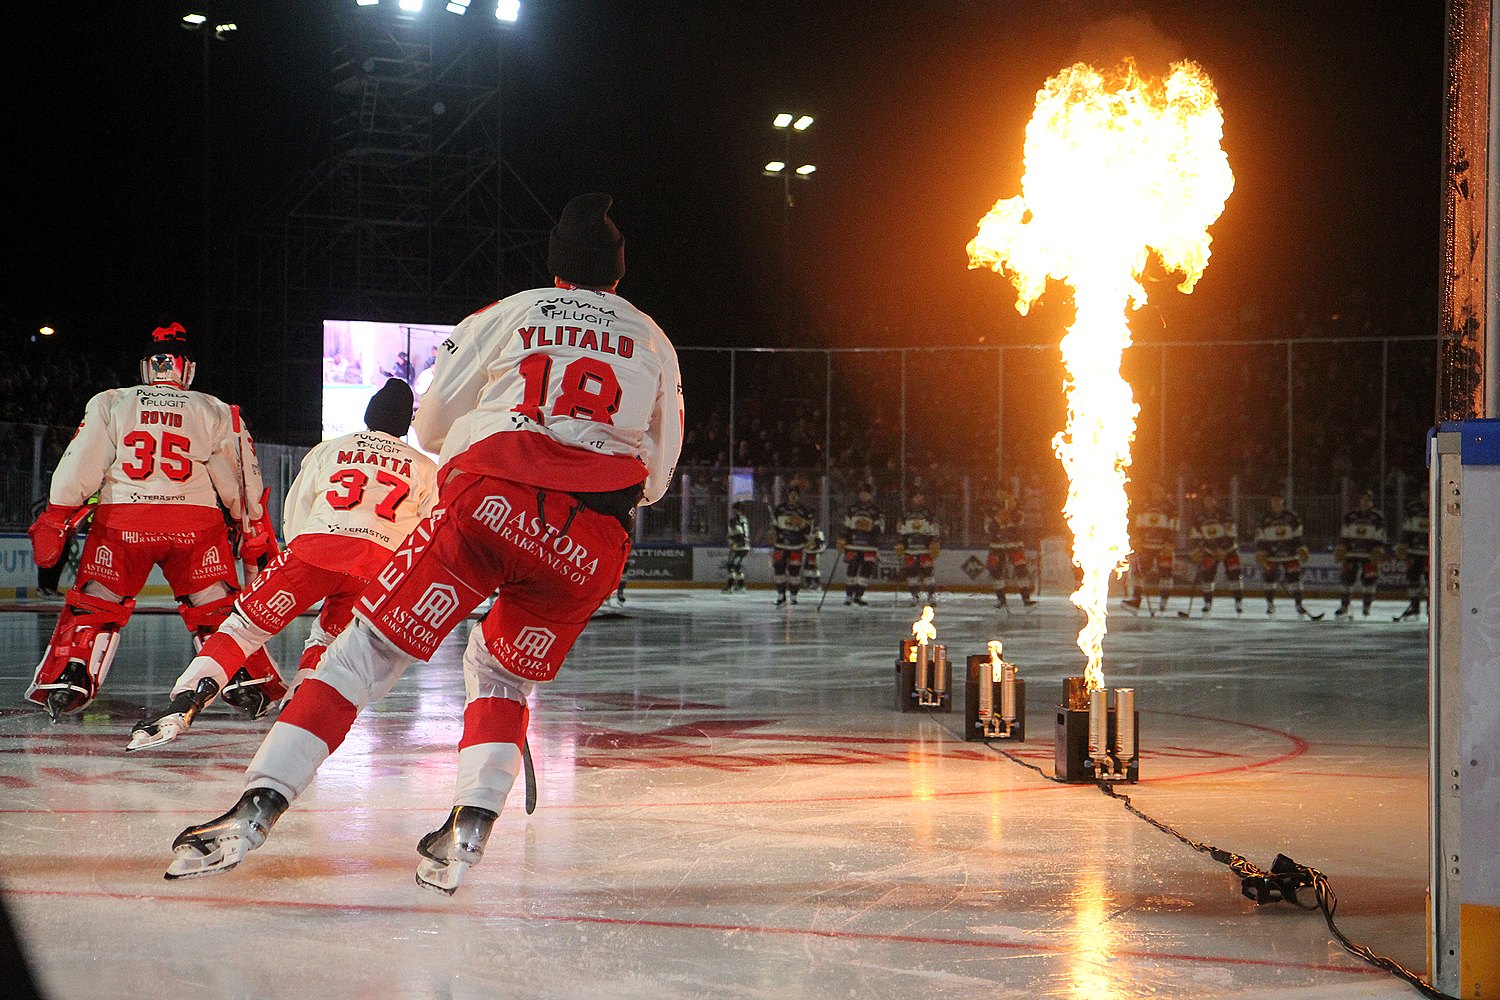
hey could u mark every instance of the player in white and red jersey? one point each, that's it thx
(161, 458)
(556, 411)
(354, 500)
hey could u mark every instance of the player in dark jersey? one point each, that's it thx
(739, 547)
(791, 524)
(1007, 554)
(1153, 535)
(1215, 539)
(1412, 550)
(1360, 548)
(859, 542)
(919, 541)
(1281, 552)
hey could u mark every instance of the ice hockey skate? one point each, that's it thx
(223, 842)
(70, 691)
(453, 848)
(255, 696)
(1412, 610)
(1132, 604)
(1342, 611)
(176, 720)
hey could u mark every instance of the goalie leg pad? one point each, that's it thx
(85, 639)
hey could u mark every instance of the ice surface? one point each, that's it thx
(730, 807)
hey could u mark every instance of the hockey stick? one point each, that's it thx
(239, 449)
(1189, 612)
(530, 770)
(832, 571)
(1310, 616)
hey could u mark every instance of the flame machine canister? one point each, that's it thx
(994, 707)
(924, 677)
(1098, 739)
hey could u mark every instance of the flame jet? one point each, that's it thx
(1117, 167)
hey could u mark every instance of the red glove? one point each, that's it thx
(49, 534)
(258, 546)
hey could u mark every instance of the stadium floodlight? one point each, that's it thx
(782, 120)
(774, 168)
(805, 169)
(458, 6)
(46, 331)
(191, 22)
(410, 6)
(801, 123)
(223, 31)
(508, 10)
(367, 3)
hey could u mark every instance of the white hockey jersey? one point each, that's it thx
(171, 455)
(561, 388)
(367, 485)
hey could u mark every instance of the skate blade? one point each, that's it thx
(162, 732)
(441, 876)
(188, 863)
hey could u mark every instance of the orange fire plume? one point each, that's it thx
(1117, 167)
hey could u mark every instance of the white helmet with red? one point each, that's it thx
(168, 360)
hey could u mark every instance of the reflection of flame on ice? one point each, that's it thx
(997, 665)
(1117, 167)
(923, 628)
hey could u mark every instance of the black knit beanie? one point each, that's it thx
(586, 248)
(390, 408)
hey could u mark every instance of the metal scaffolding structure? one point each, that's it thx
(415, 212)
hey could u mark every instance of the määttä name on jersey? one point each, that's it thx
(580, 337)
(400, 466)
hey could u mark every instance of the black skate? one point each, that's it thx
(860, 600)
(1208, 606)
(1270, 608)
(70, 692)
(1132, 604)
(249, 694)
(1027, 601)
(1342, 611)
(453, 848)
(1412, 610)
(176, 720)
(1239, 605)
(781, 600)
(1364, 609)
(223, 842)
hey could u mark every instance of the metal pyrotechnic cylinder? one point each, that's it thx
(1098, 723)
(923, 677)
(1124, 723)
(1008, 692)
(939, 668)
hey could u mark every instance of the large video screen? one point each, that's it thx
(357, 359)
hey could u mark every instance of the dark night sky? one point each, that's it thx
(1332, 131)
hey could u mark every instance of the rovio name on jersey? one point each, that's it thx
(528, 533)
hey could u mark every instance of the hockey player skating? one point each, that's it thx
(162, 458)
(817, 544)
(1412, 550)
(739, 547)
(860, 544)
(919, 539)
(1007, 554)
(791, 525)
(1215, 540)
(550, 435)
(1153, 536)
(354, 500)
(1360, 548)
(1280, 551)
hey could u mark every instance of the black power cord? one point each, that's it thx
(1287, 881)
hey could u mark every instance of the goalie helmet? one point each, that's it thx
(167, 358)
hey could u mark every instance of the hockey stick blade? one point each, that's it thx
(530, 776)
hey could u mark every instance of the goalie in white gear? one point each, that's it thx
(355, 499)
(161, 458)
